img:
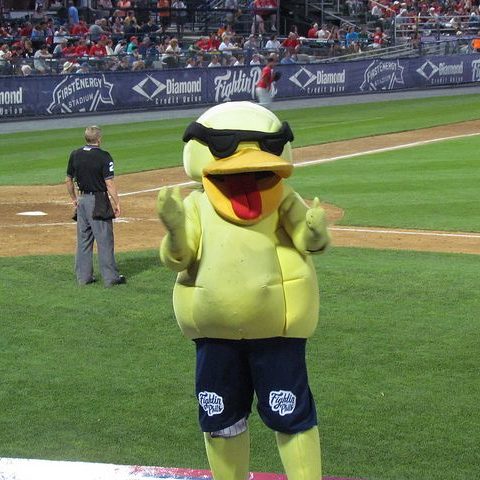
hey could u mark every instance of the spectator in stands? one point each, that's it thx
(256, 60)
(59, 35)
(323, 33)
(172, 53)
(28, 50)
(252, 44)
(132, 44)
(38, 35)
(203, 43)
(214, 62)
(83, 68)
(49, 31)
(149, 27)
(351, 40)
(120, 47)
(273, 45)
(379, 38)
(98, 49)
(123, 6)
(190, 63)
(225, 28)
(40, 59)
(227, 46)
(69, 49)
(179, 13)
(81, 49)
(26, 29)
(130, 17)
(95, 31)
(240, 61)
(233, 13)
(288, 58)
(474, 19)
(138, 65)
(364, 38)
(292, 43)
(123, 64)
(68, 68)
(5, 56)
(164, 14)
(264, 11)
(80, 29)
(26, 70)
(376, 12)
(213, 42)
(73, 17)
(104, 7)
(58, 49)
(313, 30)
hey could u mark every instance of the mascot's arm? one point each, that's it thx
(178, 248)
(306, 226)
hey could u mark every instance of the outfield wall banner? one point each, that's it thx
(152, 89)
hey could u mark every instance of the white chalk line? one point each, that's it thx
(315, 162)
(328, 159)
(404, 232)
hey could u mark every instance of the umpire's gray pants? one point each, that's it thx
(88, 231)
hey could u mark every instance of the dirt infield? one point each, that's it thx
(48, 228)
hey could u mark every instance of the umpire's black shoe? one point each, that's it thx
(119, 281)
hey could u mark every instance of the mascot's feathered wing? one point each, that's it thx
(246, 289)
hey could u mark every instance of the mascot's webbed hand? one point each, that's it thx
(316, 220)
(307, 226)
(170, 208)
(174, 251)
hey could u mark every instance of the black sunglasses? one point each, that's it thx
(223, 143)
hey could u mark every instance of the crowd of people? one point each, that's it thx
(127, 35)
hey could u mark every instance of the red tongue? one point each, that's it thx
(244, 195)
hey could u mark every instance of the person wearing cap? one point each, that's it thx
(133, 44)
(83, 68)
(26, 70)
(68, 67)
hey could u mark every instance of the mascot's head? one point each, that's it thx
(240, 151)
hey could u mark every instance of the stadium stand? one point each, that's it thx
(117, 35)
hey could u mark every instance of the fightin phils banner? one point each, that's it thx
(153, 89)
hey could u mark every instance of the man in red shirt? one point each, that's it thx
(80, 29)
(98, 49)
(264, 85)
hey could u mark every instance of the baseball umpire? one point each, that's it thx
(92, 170)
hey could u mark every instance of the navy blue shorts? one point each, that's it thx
(229, 372)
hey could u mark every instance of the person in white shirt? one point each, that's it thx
(227, 45)
(215, 62)
(273, 44)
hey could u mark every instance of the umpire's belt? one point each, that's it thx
(87, 193)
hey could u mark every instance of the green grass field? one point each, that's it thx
(105, 375)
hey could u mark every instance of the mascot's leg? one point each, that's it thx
(228, 456)
(300, 454)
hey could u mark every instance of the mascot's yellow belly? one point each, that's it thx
(247, 282)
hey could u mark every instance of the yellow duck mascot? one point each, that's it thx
(246, 290)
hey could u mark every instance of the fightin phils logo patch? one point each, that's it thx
(81, 94)
(282, 401)
(211, 403)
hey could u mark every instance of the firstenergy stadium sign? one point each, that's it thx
(45, 95)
